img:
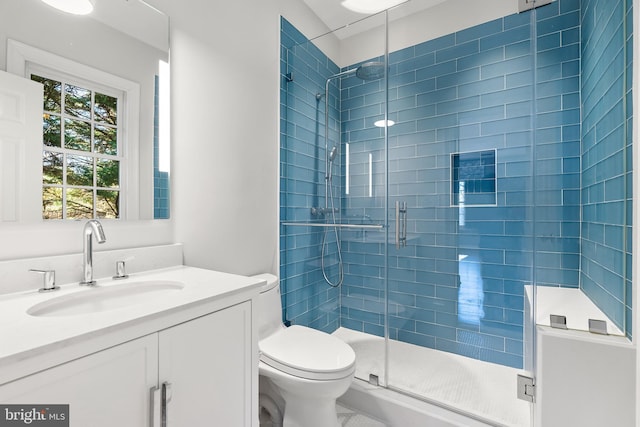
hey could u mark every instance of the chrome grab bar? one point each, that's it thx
(354, 226)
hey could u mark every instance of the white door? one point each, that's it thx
(20, 148)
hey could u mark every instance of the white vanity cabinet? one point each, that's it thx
(105, 389)
(207, 363)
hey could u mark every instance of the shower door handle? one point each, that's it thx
(401, 224)
(403, 211)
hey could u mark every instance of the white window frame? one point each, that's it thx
(23, 59)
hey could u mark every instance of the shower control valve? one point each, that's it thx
(321, 212)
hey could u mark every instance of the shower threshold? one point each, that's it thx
(483, 391)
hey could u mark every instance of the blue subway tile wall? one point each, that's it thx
(307, 299)
(606, 150)
(557, 145)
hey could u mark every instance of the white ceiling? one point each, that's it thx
(336, 16)
(415, 21)
(135, 18)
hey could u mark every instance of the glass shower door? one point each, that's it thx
(364, 197)
(460, 208)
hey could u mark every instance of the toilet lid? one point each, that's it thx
(308, 353)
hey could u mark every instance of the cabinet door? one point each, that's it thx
(105, 389)
(208, 362)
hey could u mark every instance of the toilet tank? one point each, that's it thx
(269, 306)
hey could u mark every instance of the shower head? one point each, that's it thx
(333, 153)
(370, 70)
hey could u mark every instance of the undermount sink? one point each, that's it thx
(106, 298)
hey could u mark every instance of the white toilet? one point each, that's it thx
(306, 368)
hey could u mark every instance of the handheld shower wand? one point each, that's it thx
(332, 156)
(330, 207)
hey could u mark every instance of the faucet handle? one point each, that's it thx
(120, 271)
(49, 280)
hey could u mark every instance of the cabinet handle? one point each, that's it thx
(166, 398)
(160, 397)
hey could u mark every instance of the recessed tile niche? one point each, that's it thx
(473, 178)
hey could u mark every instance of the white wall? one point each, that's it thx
(43, 239)
(225, 60)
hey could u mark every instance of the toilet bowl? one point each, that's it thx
(306, 369)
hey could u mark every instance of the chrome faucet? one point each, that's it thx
(90, 228)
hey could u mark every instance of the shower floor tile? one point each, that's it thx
(481, 389)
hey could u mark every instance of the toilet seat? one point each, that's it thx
(307, 353)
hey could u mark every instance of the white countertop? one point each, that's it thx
(39, 342)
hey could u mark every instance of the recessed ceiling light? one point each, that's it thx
(381, 123)
(370, 6)
(76, 7)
